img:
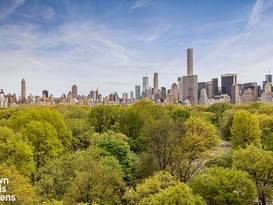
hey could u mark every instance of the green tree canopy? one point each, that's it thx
(162, 188)
(15, 150)
(245, 130)
(224, 186)
(196, 147)
(259, 164)
(21, 118)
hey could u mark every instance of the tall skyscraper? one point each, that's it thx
(214, 86)
(45, 93)
(23, 91)
(190, 86)
(155, 83)
(74, 91)
(137, 92)
(209, 89)
(145, 84)
(227, 80)
(189, 61)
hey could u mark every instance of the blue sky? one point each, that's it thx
(112, 44)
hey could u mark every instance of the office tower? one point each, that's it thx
(23, 91)
(155, 83)
(190, 85)
(268, 78)
(203, 98)
(163, 92)
(74, 91)
(145, 85)
(234, 93)
(200, 86)
(180, 89)
(253, 87)
(137, 92)
(227, 80)
(45, 93)
(131, 96)
(214, 86)
(189, 61)
(174, 93)
(209, 89)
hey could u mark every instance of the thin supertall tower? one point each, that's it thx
(23, 90)
(189, 61)
(155, 83)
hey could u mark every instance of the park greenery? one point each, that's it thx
(145, 153)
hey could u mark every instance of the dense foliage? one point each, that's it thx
(141, 154)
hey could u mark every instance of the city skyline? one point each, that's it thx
(113, 44)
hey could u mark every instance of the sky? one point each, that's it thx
(112, 44)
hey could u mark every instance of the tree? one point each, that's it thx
(131, 123)
(98, 182)
(164, 139)
(115, 144)
(103, 117)
(20, 119)
(196, 147)
(179, 113)
(15, 150)
(266, 126)
(18, 188)
(259, 164)
(42, 136)
(162, 188)
(245, 130)
(224, 186)
(226, 124)
(219, 109)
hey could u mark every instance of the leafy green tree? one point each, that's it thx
(15, 150)
(179, 113)
(98, 183)
(18, 187)
(266, 125)
(115, 144)
(224, 186)
(265, 109)
(20, 119)
(196, 147)
(161, 188)
(164, 139)
(259, 164)
(103, 117)
(42, 136)
(245, 130)
(149, 110)
(219, 109)
(226, 124)
(131, 123)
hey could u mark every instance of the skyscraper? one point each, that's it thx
(74, 91)
(227, 80)
(189, 61)
(137, 92)
(155, 83)
(145, 84)
(190, 86)
(214, 86)
(23, 91)
(45, 93)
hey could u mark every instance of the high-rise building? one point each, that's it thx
(145, 84)
(227, 80)
(200, 86)
(163, 92)
(131, 96)
(214, 86)
(137, 92)
(74, 91)
(268, 78)
(45, 93)
(189, 61)
(190, 85)
(23, 91)
(209, 89)
(155, 83)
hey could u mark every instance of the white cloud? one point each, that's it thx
(139, 4)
